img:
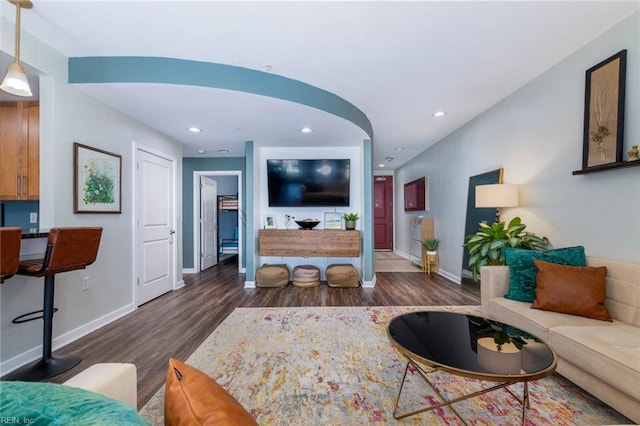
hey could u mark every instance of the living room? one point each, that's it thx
(535, 135)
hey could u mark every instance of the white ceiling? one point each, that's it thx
(396, 61)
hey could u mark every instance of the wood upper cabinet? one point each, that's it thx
(19, 151)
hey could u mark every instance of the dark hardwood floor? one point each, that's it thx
(175, 324)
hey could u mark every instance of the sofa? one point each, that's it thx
(101, 394)
(601, 357)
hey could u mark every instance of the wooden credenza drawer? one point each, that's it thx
(308, 243)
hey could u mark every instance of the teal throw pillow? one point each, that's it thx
(53, 404)
(522, 272)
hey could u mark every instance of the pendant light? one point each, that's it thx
(15, 82)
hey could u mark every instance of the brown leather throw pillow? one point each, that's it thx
(193, 398)
(575, 290)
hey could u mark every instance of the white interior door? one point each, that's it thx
(208, 222)
(155, 221)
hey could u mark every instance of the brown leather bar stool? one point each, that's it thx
(9, 252)
(68, 249)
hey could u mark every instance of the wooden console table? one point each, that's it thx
(308, 243)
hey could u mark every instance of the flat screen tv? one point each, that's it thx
(308, 183)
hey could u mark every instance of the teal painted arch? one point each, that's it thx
(143, 69)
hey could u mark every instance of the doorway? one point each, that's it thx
(208, 222)
(383, 212)
(229, 221)
(155, 211)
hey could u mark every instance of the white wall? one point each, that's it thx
(67, 116)
(356, 202)
(536, 135)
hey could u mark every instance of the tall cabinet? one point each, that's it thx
(19, 150)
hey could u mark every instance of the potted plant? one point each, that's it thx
(498, 345)
(431, 245)
(350, 220)
(485, 246)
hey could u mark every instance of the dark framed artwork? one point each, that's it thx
(604, 111)
(96, 180)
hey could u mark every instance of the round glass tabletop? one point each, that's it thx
(466, 345)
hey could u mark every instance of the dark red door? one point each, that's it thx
(383, 212)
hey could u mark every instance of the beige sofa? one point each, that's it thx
(601, 357)
(115, 380)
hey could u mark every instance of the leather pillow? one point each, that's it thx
(193, 398)
(571, 290)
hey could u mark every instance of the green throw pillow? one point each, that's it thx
(53, 404)
(522, 272)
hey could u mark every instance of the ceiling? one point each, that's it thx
(398, 62)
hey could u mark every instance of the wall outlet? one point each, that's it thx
(33, 217)
(86, 283)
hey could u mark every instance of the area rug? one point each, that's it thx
(335, 366)
(388, 261)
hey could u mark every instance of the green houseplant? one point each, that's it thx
(350, 220)
(485, 246)
(431, 244)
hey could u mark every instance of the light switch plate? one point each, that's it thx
(33, 217)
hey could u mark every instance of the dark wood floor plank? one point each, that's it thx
(175, 324)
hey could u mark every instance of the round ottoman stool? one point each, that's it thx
(342, 275)
(306, 276)
(272, 276)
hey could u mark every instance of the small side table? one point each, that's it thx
(429, 263)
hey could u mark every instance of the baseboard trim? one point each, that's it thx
(35, 353)
(456, 279)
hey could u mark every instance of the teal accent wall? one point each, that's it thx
(190, 165)
(250, 206)
(137, 69)
(17, 213)
(367, 226)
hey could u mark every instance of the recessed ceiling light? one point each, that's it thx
(399, 148)
(439, 114)
(380, 165)
(224, 151)
(194, 129)
(202, 151)
(306, 130)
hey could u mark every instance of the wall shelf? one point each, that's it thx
(609, 166)
(308, 243)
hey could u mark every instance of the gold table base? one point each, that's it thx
(448, 403)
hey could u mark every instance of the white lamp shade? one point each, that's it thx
(15, 82)
(497, 195)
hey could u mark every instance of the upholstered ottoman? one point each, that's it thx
(272, 276)
(306, 276)
(342, 275)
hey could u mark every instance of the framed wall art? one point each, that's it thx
(270, 221)
(96, 180)
(604, 112)
(332, 220)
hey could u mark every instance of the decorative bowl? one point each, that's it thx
(308, 223)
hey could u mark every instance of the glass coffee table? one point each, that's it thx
(464, 345)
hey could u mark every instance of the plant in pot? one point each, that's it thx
(485, 246)
(350, 220)
(431, 246)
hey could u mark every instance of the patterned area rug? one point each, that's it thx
(388, 261)
(335, 366)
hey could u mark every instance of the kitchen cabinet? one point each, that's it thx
(19, 151)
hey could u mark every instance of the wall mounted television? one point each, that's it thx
(308, 183)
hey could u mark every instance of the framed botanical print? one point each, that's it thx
(604, 112)
(96, 180)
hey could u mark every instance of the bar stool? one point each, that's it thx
(9, 252)
(68, 249)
